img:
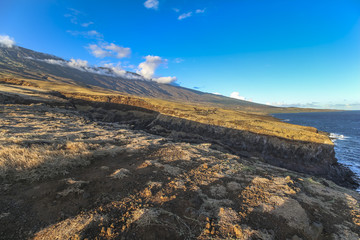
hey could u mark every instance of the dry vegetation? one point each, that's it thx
(38, 141)
(95, 180)
(251, 120)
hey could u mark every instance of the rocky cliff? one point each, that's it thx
(297, 148)
(306, 157)
(311, 157)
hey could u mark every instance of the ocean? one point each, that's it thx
(344, 129)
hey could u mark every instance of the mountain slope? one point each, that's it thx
(24, 63)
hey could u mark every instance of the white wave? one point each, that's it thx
(286, 120)
(335, 136)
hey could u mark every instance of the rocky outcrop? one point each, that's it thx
(301, 156)
(306, 157)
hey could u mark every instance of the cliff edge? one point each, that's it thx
(65, 175)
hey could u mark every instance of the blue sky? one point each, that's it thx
(290, 52)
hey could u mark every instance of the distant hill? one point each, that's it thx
(23, 63)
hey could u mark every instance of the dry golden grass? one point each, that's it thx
(43, 160)
(249, 119)
(39, 142)
(228, 118)
(252, 122)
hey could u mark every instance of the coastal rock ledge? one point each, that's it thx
(297, 148)
(306, 157)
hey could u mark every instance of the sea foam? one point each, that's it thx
(335, 136)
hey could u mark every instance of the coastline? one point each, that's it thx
(338, 137)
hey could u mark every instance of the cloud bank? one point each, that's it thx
(237, 96)
(109, 69)
(6, 41)
(165, 80)
(346, 105)
(152, 4)
(83, 65)
(109, 50)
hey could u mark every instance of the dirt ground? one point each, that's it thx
(97, 180)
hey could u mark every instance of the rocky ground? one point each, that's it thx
(65, 176)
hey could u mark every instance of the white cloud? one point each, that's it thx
(185, 15)
(147, 69)
(112, 70)
(237, 96)
(121, 52)
(78, 63)
(117, 69)
(6, 41)
(300, 105)
(109, 50)
(165, 80)
(87, 34)
(98, 51)
(319, 105)
(86, 24)
(189, 14)
(109, 69)
(176, 9)
(152, 4)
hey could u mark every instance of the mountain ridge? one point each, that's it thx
(24, 63)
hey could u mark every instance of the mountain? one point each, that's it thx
(23, 63)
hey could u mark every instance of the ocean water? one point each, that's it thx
(344, 129)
